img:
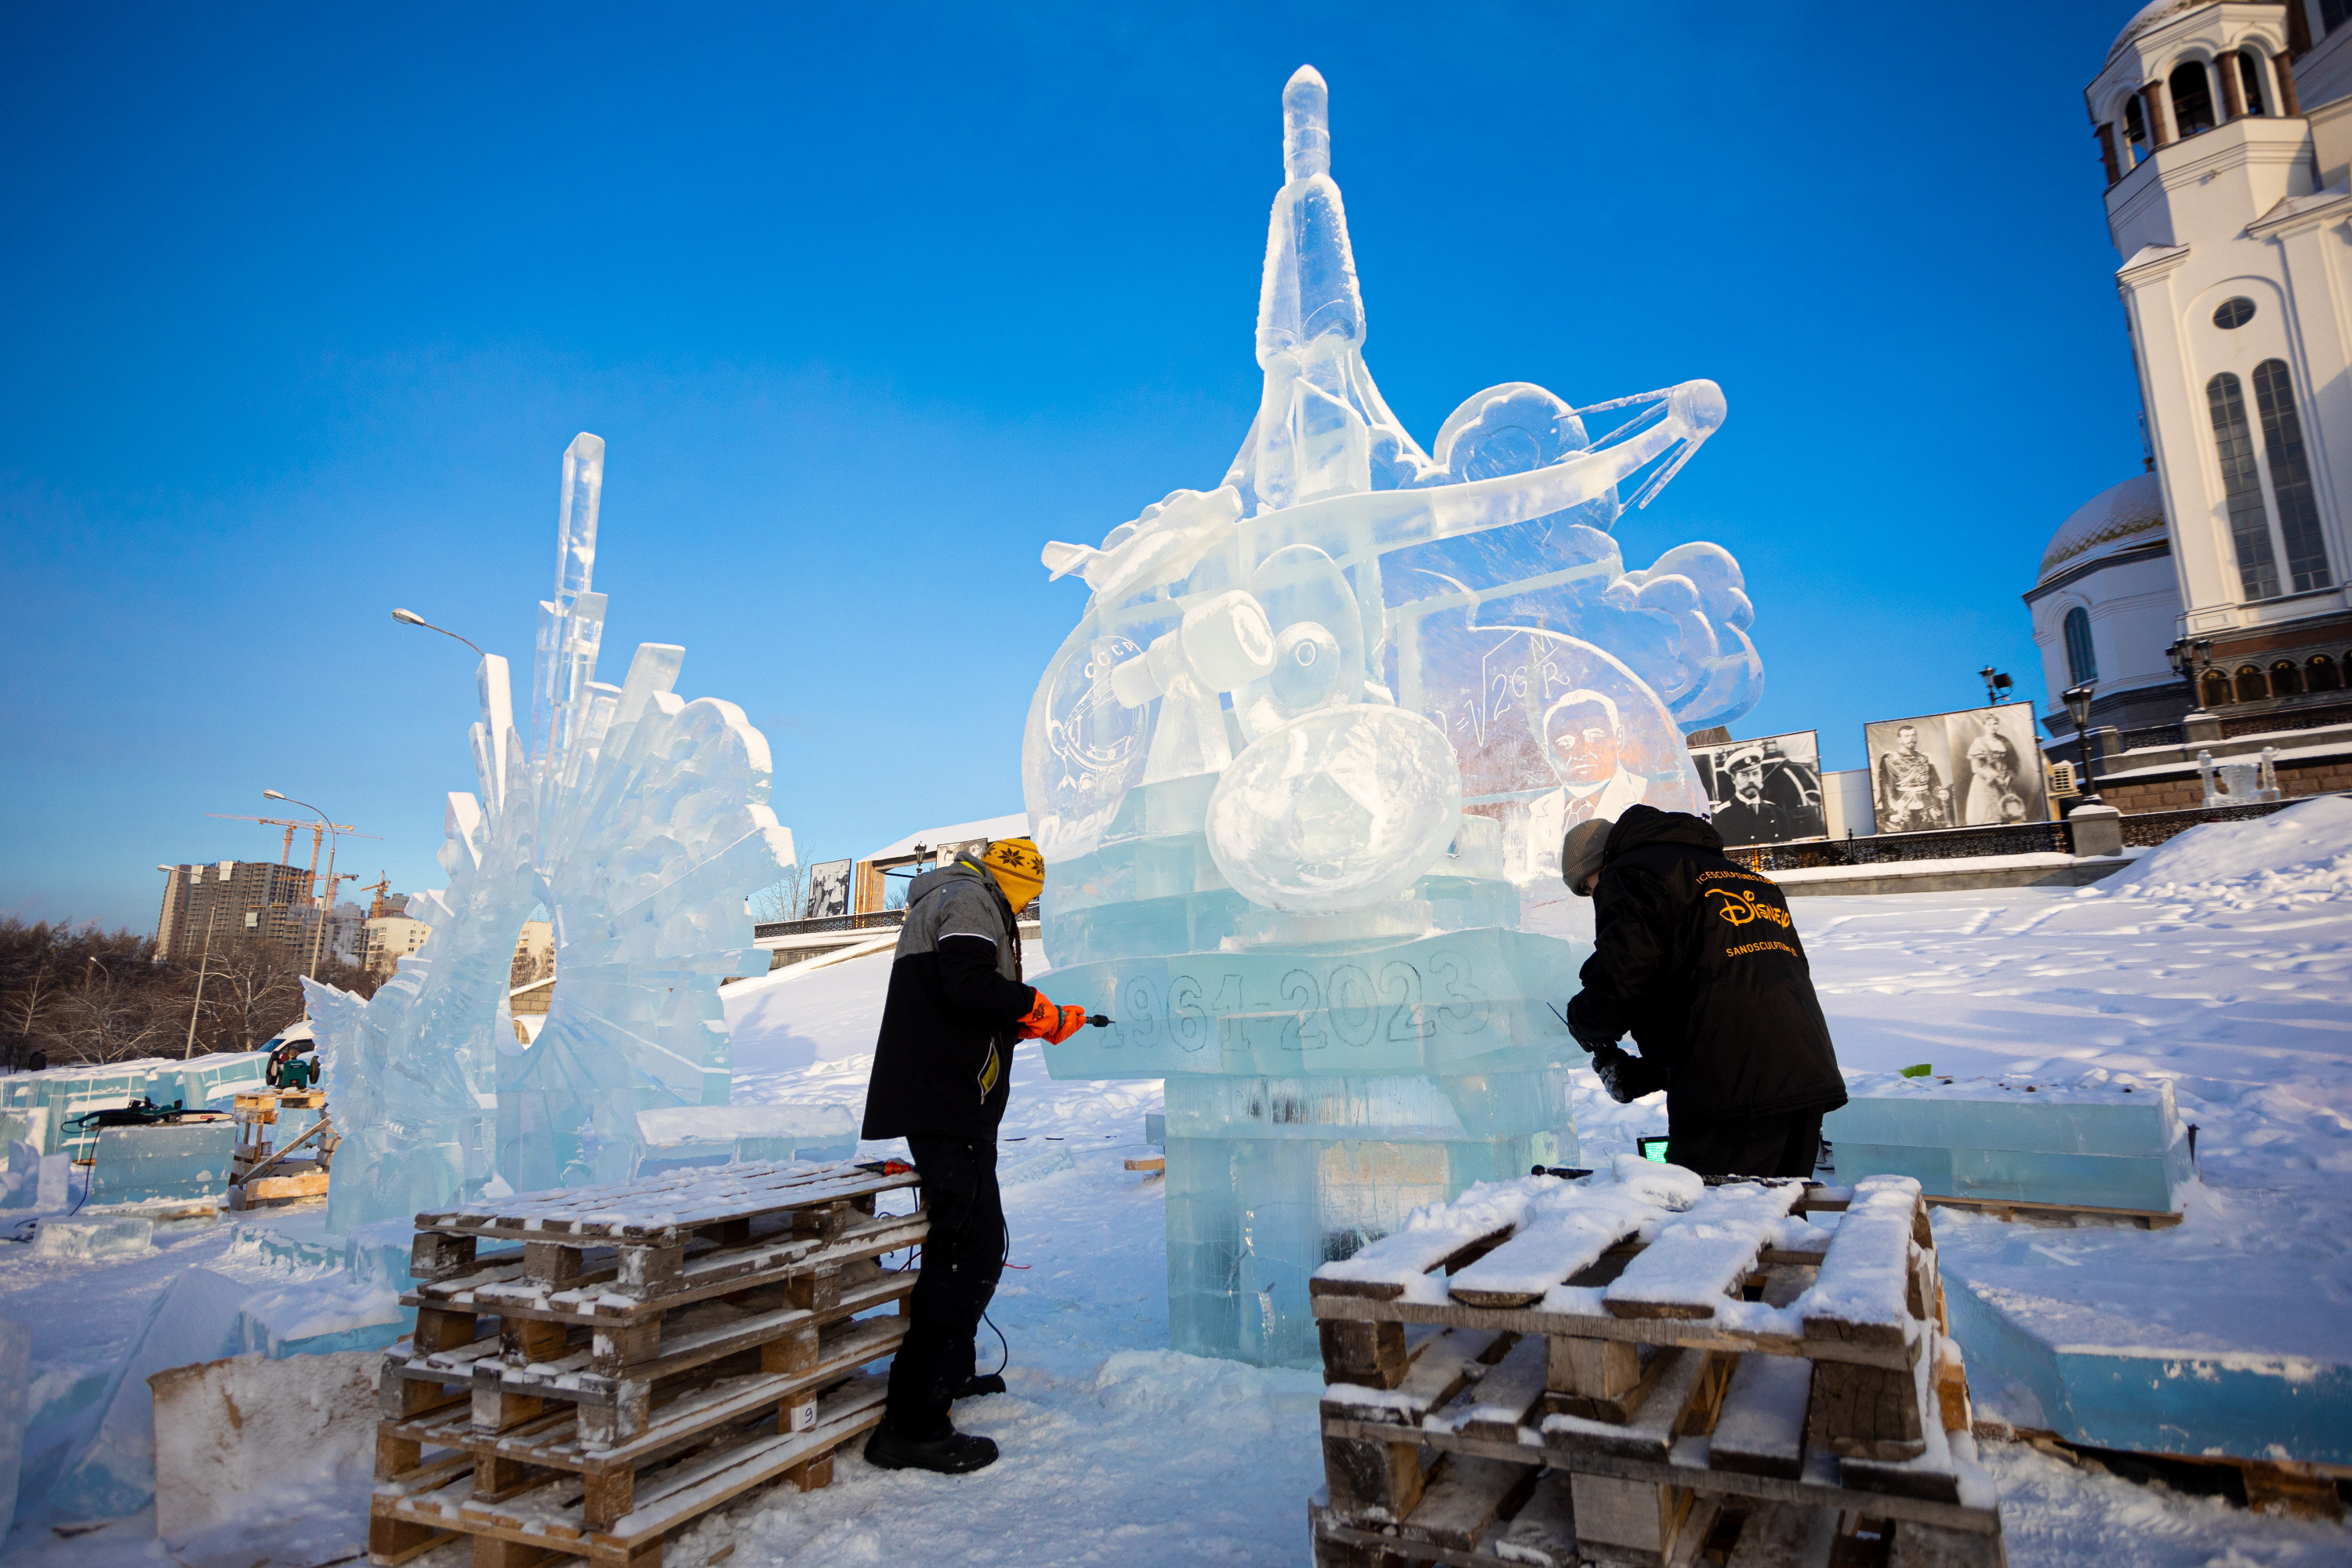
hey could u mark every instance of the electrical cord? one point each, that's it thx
(1003, 1345)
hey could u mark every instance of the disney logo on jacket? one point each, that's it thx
(1739, 907)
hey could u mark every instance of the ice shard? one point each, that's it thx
(638, 822)
(1316, 732)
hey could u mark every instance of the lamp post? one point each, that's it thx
(2078, 708)
(411, 618)
(2191, 658)
(327, 903)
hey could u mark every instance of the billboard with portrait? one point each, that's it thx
(1977, 767)
(828, 888)
(1766, 791)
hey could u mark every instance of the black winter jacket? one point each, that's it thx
(1698, 959)
(944, 1063)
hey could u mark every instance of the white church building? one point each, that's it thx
(2226, 133)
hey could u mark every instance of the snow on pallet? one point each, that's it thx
(1631, 1371)
(650, 1351)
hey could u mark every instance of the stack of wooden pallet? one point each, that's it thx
(1756, 1375)
(260, 1173)
(648, 1352)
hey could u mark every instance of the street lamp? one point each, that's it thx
(325, 904)
(411, 618)
(2078, 708)
(2191, 658)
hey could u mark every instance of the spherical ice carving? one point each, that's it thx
(1340, 808)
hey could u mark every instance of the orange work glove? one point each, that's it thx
(1072, 1020)
(1042, 1019)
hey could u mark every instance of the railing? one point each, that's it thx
(2147, 829)
(2153, 735)
(1886, 848)
(2291, 719)
(880, 919)
(2144, 829)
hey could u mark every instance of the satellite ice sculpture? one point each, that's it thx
(1316, 729)
(639, 822)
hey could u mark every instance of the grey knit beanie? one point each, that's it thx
(1580, 852)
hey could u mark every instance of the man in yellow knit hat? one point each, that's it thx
(942, 1073)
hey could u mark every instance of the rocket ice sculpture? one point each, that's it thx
(638, 821)
(1316, 729)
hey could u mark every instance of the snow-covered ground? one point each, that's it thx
(2235, 983)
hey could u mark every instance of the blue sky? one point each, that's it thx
(300, 306)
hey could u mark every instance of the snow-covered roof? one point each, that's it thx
(1016, 825)
(2149, 17)
(2130, 514)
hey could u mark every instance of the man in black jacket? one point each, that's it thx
(942, 1073)
(1698, 958)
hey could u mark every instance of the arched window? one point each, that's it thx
(2249, 520)
(2320, 674)
(2192, 98)
(2251, 686)
(2249, 76)
(2136, 128)
(2306, 552)
(2286, 679)
(2217, 688)
(2081, 664)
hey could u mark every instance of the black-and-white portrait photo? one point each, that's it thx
(828, 888)
(1975, 768)
(1766, 791)
(947, 853)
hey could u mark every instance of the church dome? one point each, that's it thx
(2152, 15)
(2114, 520)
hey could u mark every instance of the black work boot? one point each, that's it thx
(974, 1387)
(956, 1454)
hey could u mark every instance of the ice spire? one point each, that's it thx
(571, 624)
(1320, 420)
(1306, 125)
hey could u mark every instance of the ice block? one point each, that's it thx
(185, 1162)
(2101, 1142)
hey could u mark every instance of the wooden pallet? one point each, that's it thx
(2009, 1208)
(2298, 1488)
(648, 1354)
(1609, 1382)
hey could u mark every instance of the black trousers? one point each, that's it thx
(1784, 1143)
(963, 1257)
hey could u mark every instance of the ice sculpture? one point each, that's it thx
(1316, 729)
(638, 821)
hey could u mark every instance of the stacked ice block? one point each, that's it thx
(65, 1092)
(2101, 1143)
(1319, 1091)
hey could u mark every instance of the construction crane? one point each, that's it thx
(318, 831)
(381, 889)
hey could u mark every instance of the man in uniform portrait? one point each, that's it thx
(1749, 817)
(1912, 792)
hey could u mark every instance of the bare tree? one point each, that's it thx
(253, 991)
(105, 1017)
(786, 898)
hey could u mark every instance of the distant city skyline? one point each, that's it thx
(301, 308)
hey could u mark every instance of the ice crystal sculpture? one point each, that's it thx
(1316, 729)
(639, 822)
